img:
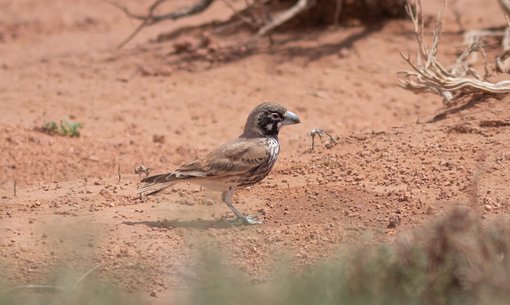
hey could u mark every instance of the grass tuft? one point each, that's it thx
(66, 129)
(454, 260)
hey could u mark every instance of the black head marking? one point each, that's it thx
(265, 121)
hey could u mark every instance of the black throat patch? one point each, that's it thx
(269, 127)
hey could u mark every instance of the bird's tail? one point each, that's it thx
(155, 184)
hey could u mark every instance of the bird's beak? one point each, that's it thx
(290, 118)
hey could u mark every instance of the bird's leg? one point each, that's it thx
(226, 196)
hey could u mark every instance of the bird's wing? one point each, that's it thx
(235, 157)
(232, 158)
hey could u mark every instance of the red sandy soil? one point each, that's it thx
(386, 174)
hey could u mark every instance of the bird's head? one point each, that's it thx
(267, 119)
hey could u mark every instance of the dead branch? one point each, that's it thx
(505, 44)
(264, 12)
(150, 18)
(258, 15)
(299, 7)
(146, 21)
(486, 70)
(431, 76)
(479, 34)
(501, 66)
(249, 20)
(462, 68)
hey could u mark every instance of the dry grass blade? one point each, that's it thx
(432, 77)
(53, 287)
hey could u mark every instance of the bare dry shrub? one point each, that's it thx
(265, 16)
(429, 75)
(327, 12)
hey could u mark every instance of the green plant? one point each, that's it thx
(66, 129)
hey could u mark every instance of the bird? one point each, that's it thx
(241, 162)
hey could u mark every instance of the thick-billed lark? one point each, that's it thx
(241, 162)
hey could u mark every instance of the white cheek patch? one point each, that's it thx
(269, 127)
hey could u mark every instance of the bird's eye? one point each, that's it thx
(275, 116)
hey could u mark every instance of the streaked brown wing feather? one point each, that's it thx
(232, 158)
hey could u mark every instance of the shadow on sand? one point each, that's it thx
(199, 224)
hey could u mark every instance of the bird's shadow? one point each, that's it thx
(199, 224)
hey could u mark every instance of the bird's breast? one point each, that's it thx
(261, 171)
(273, 149)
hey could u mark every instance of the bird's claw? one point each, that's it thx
(250, 220)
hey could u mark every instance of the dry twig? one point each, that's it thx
(505, 44)
(151, 18)
(504, 33)
(429, 75)
(282, 18)
(249, 20)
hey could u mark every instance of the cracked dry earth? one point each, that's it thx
(140, 105)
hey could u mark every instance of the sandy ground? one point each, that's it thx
(386, 174)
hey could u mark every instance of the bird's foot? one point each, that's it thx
(245, 220)
(251, 220)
